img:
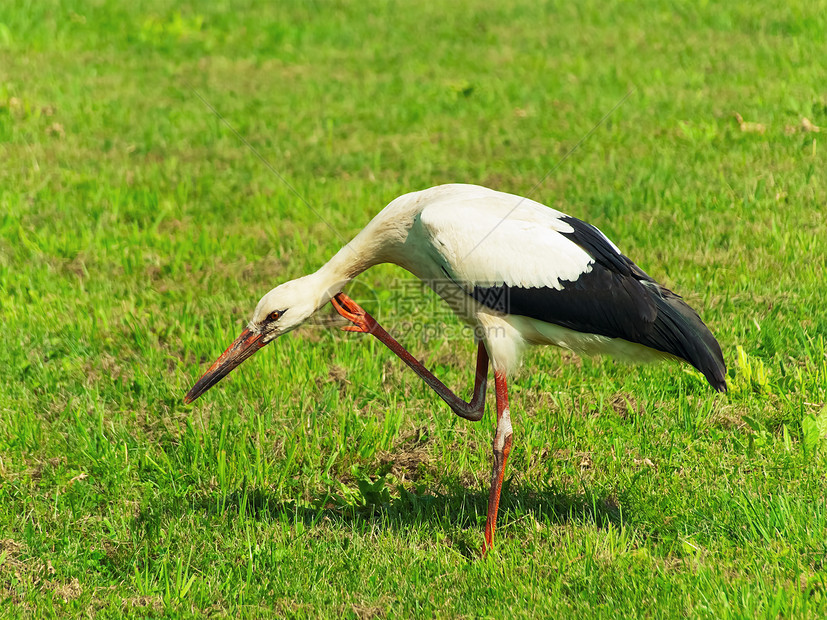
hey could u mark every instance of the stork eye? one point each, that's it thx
(274, 315)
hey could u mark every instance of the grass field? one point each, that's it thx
(322, 479)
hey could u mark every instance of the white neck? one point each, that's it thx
(360, 254)
(379, 242)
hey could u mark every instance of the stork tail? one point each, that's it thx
(679, 331)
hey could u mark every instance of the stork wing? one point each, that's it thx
(519, 257)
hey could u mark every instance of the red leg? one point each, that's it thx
(365, 323)
(502, 448)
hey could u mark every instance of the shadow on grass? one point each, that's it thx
(458, 512)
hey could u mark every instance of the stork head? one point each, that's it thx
(281, 310)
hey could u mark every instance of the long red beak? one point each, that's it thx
(241, 349)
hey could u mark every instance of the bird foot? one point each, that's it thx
(353, 312)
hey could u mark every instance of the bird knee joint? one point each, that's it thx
(502, 443)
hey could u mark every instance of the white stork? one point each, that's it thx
(515, 270)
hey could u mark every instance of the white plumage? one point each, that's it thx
(511, 241)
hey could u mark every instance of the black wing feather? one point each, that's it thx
(616, 299)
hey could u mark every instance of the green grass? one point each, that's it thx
(323, 479)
